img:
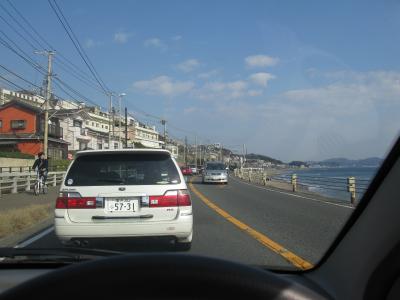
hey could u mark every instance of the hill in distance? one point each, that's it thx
(263, 157)
(344, 162)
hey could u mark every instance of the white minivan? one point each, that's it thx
(124, 193)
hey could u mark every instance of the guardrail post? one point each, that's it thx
(351, 188)
(28, 183)
(14, 185)
(250, 175)
(294, 182)
(54, 179)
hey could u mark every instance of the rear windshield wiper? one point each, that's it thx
(45, 254)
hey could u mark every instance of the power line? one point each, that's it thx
(77, 45)
(77, 76)
(17, 32)
(24, 55)
(14, 84)
(85, 99)
(64, 60)
(39, 68)
(19, 76)
(31, 83)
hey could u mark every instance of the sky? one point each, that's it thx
(294, 80)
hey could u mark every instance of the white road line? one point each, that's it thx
(35, 238)
(293, 195)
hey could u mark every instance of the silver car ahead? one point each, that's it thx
(215, 172)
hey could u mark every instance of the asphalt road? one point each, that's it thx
(248, 224)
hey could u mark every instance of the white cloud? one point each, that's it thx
(122, 37)
(259, 61)
(223, 90)
(163, 86)
(188, 65)
(356, 116)
(177, 38)
(208, 74)
(233, 89)
(254, 93)
(90, 43)
(155, 43)
(261, 78)
(190, 110)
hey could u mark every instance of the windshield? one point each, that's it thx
(215, 167)
(242, 130)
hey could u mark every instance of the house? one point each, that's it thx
(148, 136)
(26, 96)
(72, 121)
(173, 149)
(100, 128)
(22, 129)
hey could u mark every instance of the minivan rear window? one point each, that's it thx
(123, 168)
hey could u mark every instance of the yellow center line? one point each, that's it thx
(294, 259)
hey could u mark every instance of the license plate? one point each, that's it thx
(122, 205)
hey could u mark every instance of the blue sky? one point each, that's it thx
(294, 80)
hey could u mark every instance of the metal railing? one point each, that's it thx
(24, 181)
(25, 169)
(349, 185)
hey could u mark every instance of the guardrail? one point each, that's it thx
(260, 176)
(24, 181)
(6, 170)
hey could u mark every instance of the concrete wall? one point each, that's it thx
(15, 162)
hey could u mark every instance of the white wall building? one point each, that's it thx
(173, 149)
(148, 136)
(7, 95)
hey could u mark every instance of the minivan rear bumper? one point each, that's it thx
(180, 228)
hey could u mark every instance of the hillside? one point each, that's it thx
(344, 162)
(263, 157)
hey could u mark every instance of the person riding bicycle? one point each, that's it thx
(41, 166)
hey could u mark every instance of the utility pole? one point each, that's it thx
(109, 121)
(244, 156)
(48, 96)
(164, 123)
(126, 127)
(186, 150)
(195, 151)
(200, 154)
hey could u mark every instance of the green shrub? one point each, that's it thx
(58, 164)
(15, 154)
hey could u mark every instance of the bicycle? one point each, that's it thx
(40, 185)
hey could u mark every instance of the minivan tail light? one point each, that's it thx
(171, 199)
(184, 198)
(74, 201)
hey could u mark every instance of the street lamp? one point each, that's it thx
(120, 116)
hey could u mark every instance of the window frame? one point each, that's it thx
(18, 127)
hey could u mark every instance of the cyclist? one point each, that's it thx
(41, 166)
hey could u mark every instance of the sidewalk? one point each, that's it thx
(12, 201)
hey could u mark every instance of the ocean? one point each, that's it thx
(332, 182)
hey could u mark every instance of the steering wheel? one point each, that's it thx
(154, 276)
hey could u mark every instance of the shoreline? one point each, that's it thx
(284, 185)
